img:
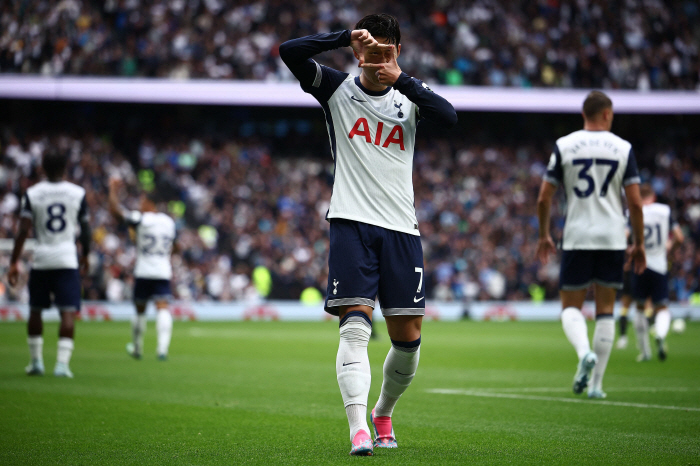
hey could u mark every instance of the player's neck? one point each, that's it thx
(369, 85)
(596, 126)
(54, 180)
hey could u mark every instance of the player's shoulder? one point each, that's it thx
(659, 207)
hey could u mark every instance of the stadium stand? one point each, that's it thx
(241, 204)
(627, 45)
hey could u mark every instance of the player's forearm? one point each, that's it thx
(432, 107)
(543, 216)
(296, 53)
(84, 238)
(637, 223)
(115, 207)
(21, 237)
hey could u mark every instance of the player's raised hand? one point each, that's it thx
(545, 247)
(13, 274)
(84, 266)
(386, 67)
(114, 183)
(637, 258)
(361, 38)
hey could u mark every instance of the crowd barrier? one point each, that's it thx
(295, 311)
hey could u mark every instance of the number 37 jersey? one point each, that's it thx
(593, 167)
(155, 233)
(56, 209)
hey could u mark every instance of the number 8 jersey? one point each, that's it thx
(593, 167)
(155, 233)
(56, 210)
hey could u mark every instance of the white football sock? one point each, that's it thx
(36, 348)
(164, 327)
(603, 338)
(576, 330)
(138, 330)
(65, 350)
(662, 323)
(353, 371)
(641, 327)
(399, 369)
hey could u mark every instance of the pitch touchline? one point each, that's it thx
(444, 391)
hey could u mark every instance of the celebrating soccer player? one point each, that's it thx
(593, 165)
(55, 208)
(155, 236)
(375, 248)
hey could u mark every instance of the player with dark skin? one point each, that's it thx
(35, 324)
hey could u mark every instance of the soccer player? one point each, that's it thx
(155, 236)
(660, 235)
(55, 208)
(593, 165)
(625, 302)
(375, 247)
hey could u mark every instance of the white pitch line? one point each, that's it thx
(566, 390)
(445, 391)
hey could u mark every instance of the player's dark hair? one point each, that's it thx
(381, 25)
(54, 163)
(646, 191)
(595, 103)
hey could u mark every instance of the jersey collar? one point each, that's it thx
(368, 92)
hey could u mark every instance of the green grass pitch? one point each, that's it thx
(265, 393)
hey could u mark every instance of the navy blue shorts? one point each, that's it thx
(580, 268)
(56, 286)
(367, 261)
(147, 288)
(652, 285)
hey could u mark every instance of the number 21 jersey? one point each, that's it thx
(56, 208)
(593, 167)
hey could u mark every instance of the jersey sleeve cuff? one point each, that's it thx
(552, 180)
(633, 180)
(25, 214)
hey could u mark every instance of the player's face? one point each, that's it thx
(378, 55)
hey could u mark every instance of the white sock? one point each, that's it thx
(138, 330)
(576, 330)
(36, 348)
(399, 369)
(353, 371)
(603, 338)
(164, 327)
(641, 327)
(65, 350)
(662, 323)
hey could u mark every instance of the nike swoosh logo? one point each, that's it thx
(347, 364)
(418, 300)
(401, 373)
(356, 100)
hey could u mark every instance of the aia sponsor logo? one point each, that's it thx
(262, 312)
(183, 313)
(361, 129)
(501, 313)
(94, 312)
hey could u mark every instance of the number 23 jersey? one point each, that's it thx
(155, 233)
(56, 209)
(593, 167)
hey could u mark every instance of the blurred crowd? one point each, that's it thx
(631, 44)
(252, 224)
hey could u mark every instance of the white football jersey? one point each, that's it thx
(657, 227)
(372, 140)
(56, 210)
(593, 167)
(155, 233)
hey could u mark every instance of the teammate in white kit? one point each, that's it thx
(593, 165)
(660, 235)
(56, 209)
(375, 248)
(155, 237)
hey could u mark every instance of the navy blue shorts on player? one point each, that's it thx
(580, 268)
(146, 289)
(652, 285)
(63, 285)
(367, 261)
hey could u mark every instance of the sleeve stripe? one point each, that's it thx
(633, 180)
(319, 75)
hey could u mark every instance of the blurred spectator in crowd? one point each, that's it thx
(636, 44)
(252, 224)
